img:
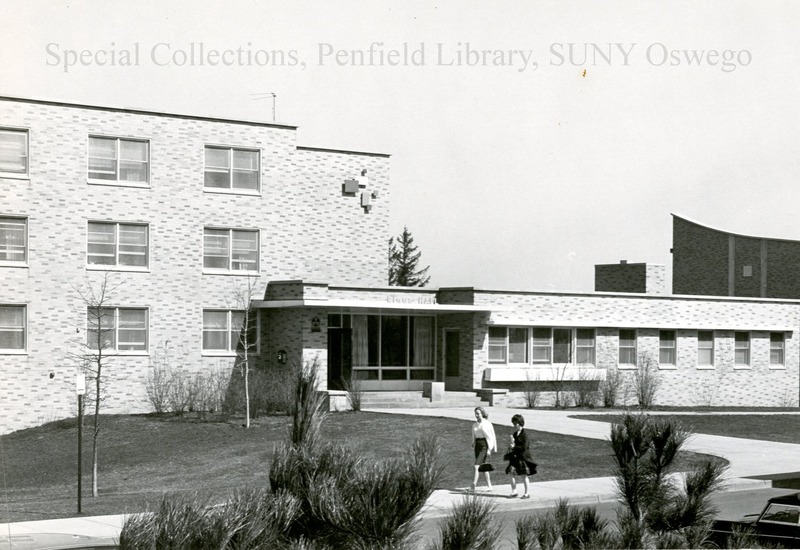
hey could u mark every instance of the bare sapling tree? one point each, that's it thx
(245, 320)
(98, 349)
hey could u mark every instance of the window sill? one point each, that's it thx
(128, 353)
(235, 273)
(223, 191)
(10, 176)
(20, 265)
(668, 367)
(13, 352)
(742, 367)
(209, 353)
(777, 367)
(116, 268)
(706, 367)
(539, 374)
(626, 366)
(117, 183)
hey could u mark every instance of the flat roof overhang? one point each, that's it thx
(634, 324)
(372, 305)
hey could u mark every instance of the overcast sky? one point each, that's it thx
(518, 161)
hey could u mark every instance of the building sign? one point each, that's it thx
(411, 300)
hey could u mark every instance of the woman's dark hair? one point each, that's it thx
(517, 419)
(483, 412)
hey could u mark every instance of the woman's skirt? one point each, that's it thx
(481, 451)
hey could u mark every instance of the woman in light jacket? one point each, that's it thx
(484, 443)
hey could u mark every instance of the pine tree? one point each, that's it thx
(403, 262)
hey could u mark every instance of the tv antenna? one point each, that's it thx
(266, 95)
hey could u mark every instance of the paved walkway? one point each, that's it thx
(747, 458)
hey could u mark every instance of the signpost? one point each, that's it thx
(80, 389)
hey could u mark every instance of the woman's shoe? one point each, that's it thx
(526, 495)
(513, 495)
(472, 488)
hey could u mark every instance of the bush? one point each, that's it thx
(352, 386)
(609, 388)
(469, 526)
(646, 381)
(564, 527)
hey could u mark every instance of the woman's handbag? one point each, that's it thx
(486, 467)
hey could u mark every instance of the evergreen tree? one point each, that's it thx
(404, 260)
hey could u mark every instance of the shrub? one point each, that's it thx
(469, 526)
(352, 386)
(609, 388)
(531, 390)
(564, 527)
(646, 381)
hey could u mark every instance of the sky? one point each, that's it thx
(530, 140)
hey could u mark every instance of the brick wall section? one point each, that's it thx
(747, 254)
(699, 259)
(308, 230)
(624, 277)
(783, 268)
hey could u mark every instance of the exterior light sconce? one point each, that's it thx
(315, 324)
(282, 357)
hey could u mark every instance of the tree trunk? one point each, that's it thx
(246, 393)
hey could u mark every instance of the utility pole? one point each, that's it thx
(80, 389)
(266, 95)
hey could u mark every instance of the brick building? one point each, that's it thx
(182, 214)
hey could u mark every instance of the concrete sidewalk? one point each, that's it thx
(747, 458)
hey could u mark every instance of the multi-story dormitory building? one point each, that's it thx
(183, 212)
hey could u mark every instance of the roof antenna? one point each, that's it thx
(266, 95)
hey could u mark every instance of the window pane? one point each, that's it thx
(497, 344)
(12, 327)
(627, 347)
(421, 344)
(102, 158)
(394, 341)
(133, 161)
(394, 374)
(101, 331)
(562, 346)
(102, 244)
(422, 374)
(14, 152)
(517, 345)
(742, 348)
(215, 330)
(133, 245)
(215, 248)
(133, 329)
(541, 345)
(705, 347)
(776, 347)
(244, 251)
(12, 239)
(217, 168)
(584, 346)
(667, 347)
(245, 170)
(237, 318)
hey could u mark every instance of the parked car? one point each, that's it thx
(55, 541)
(778, 524)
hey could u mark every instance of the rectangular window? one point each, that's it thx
(231, 169)
(627, 347)
(230, 249)
(117, 245)
(497, 345)
(224, 331)
(776, 348)
(13, 152)
(13, 240)
(584, 346)
(12, 328)
(742, 348)
(119, 160)
(666, 347)
(116, 329)
(705, 347)
(541, 345)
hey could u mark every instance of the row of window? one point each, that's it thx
(122, 161)
(118, 329)
(127, 246)
(544, 345)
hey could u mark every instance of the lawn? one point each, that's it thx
(784, 428)
(143, 456)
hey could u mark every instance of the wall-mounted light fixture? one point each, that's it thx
(282, 357)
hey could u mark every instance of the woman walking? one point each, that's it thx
(484, 444)
(520, 460)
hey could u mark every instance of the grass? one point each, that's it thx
(783, 428)
(143, 456)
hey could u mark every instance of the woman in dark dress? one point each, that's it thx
(520, 460)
